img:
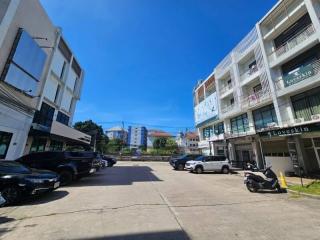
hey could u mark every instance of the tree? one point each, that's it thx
(159, 143)
(171, 144)
(115, 145)
(98, 138)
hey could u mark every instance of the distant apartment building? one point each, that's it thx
(153, 134)
(39, 86)
(188, 142)
(137, 137)
(267, 94)
(117, 133)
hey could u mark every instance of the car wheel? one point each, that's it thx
(180, 167)
(251, 188)
(199, 170)
(225, 170)
(12, 194)
(66, 177)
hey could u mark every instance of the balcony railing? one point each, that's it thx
(225, 87)
(295, 40)
(255, 99)
(301, 74)
(249, 73)
(227, 108)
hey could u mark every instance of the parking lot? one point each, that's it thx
(148, 200)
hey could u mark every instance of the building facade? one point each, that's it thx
(137, 137)
(29, 43)
(188, 142)
(117, 133)
(268, 90)
(153, 134)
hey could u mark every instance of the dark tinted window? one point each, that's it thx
(44, 116)
(5, 139)
(63, 118)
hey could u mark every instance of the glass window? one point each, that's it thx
(56, 146)
(25, 67)
(207, 132)
(13, 167)
(44, 117)
(38, 145)
(219, 128)
(63, 118)
(5, 139)
(263, 116)
(306, 104)
(240, 124)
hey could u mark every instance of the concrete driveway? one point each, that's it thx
(151, 201)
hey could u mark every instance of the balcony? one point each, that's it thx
(255, 99)
(228, 108)
(246, 132)
(249, 75)
(225, 88)
(293, 42)
(304, 75)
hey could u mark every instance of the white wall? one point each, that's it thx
(283, 164)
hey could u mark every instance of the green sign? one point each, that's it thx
(292, 130)
(299, 75)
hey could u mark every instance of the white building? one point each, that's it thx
(117, 133)
(268, 93)
(153, 134)
(29, 46)
(137, 137)
(188, 142)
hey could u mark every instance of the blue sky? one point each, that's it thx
(143, 57)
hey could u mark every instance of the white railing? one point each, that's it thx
(295, 40)
(299, 75)
(227, 108)
(255, 99)
(249, 73)
(225, 88)
(246, 42)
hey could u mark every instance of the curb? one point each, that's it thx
(304, 194)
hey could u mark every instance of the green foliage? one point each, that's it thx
(312, 188)
(115, 145)
(159, 143)
(95, 131)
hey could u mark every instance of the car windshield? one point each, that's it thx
(201, 158)
(13, 167)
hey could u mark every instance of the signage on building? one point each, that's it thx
(203, 144)
(207, 109)
(301, 74)
(292, 130)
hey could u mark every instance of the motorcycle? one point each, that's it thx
(256, 182)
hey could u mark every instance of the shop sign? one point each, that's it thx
(203, 144)
(291, 130)
(206, 110)
(301, 74)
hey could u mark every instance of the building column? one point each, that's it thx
(311, 5)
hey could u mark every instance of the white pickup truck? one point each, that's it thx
(209, 163)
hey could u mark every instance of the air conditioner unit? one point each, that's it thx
(315, 117)
(272, 125)
(299, 120)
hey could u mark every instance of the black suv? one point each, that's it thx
(17, 180)
(69, 165)
(179, 163)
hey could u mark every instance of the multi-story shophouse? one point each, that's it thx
(40, 82)
(268, 93)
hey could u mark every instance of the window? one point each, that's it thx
(63, 69)
(207, 132)
(240, 124)
(219, 128)
(307, 104)
(257, 89)
(5, 139)
(263, 116)
(57, 94)
(44, 116)
(56, 145)
(231, 101)
(63, 118)
(25, 65)
(38, 145)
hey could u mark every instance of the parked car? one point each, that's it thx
(69, 165)
(178, 163)
(17, 180)
(109, 161)
(209, 163)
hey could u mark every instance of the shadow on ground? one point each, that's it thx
(3, 220)
(169, 235)
(118, 175)
(45, 198)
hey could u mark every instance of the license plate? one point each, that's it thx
(56, 185)
(92, 170)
